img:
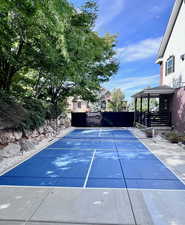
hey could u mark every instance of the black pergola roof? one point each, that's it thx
(155, 92)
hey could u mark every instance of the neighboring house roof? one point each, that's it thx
(155, 92)
(169, 29)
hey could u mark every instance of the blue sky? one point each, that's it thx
(140, 26)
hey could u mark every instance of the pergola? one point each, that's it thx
(151, 119)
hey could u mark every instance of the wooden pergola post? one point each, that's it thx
(135, 104)
(148, 112)
(141, 109)
(135, 114)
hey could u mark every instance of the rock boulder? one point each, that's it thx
(26, 145)
(10, 150)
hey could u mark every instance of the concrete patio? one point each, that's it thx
(53, 205)
(46, 206)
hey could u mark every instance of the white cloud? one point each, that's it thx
(135, 82)
(108, 10)
(156, 9)
(132, 85)
(141, 50)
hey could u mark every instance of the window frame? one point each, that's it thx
(170, 68)
(79, 104)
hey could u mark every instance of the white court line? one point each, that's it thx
(90, 166)
(68, 149)
(179, 178)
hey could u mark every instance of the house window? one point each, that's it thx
(170, 65)
(79, 105)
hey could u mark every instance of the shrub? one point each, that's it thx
(12, 114)
(36, 114)
(175, 137)
(30, 114)
(182, 139)
(53, 111)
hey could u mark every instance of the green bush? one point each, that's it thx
(36, 114)
(182, 139)
(12, 114)
(30, 114)
(53, 111)
(5, 98)
(175, 137)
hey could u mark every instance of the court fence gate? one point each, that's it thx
(103, 119)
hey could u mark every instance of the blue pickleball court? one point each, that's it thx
(94, 158)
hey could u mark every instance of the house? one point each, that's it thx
(171, 92)
(104, 96)
(171, 58)
(76, 104)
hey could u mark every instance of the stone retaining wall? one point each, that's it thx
(13, 142)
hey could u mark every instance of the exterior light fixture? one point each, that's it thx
(182, 57)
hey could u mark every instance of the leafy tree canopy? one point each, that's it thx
(117, 102)
(49, 50)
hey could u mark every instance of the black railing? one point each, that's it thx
(154, 119)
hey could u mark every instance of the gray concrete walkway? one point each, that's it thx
(33, 206)
(64, 205)
(47, 206)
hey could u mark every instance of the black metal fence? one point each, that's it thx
(154, 119)
(103, 119)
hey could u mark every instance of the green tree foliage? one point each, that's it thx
(32, 36)
(49, 51)
(117, 102)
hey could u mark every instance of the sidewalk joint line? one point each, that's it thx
(128, 194)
